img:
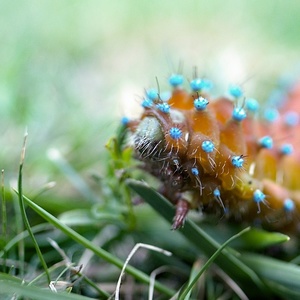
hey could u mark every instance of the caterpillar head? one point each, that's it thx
(148, 138)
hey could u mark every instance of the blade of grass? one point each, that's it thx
(101, 293)
(70, 266)
(255, 239)
(197, 266)
(187, 289)
(132, 252)
(97, 250)
(259, 239)
(4, 218)
(278, 274)
(10, 286)
(230, 263)
(155, 273)
(21, 236)
(20, 228)
(23, 212)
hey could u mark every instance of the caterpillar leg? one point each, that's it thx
(182, 208)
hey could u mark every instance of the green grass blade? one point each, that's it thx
(23, 212)
(255, 239)
(4, 215)
(21, 236)
(282, 277)
(96, 250)
(259, 239)
(230, 263)
(10, 286)
(186, 290)
(4, 218)
(197, 267)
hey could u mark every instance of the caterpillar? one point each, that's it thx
(222, 155)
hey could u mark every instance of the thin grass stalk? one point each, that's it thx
(23, 211)
(4, 219)
(186, 290)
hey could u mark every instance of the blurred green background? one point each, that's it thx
(70, 69)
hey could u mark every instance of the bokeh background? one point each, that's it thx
(70, 69)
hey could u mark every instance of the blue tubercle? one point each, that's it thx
(259, 197)
(200, 103)
(288, 205)
(266, 142)
(195, 171)
(252, 105)
(286, 149)
(175, 133)
(217, 195)
(152, 94)
(125, 120)
(147, 103)
(235, 91)
(239, 114)
(216, 192)
(237, 161)
(196, 84)
(277, 98)
(291, 118)
(176, 80)
(271, 115)
(163, 107)
(208, 146)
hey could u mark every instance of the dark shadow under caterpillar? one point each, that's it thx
(220, 157)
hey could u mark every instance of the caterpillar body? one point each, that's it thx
(220, 156)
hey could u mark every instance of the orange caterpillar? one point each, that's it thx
(217, 156)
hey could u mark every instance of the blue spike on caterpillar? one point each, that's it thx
(218, 156)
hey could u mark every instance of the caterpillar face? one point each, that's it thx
(148, 138)
(220, 157)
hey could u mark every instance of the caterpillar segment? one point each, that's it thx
(221, 157)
